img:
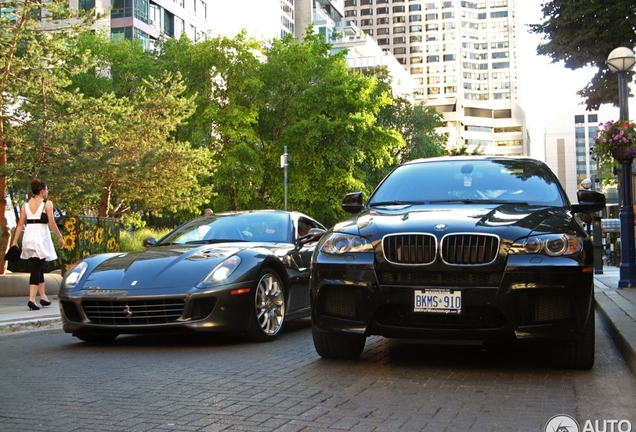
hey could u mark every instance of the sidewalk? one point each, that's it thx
(617, 308)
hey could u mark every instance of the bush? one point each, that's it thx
(132, 241)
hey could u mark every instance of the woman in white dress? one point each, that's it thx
(36, 217)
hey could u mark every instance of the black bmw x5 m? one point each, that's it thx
(463, 249)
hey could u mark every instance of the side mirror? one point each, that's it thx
(352, 202)
(589, 201)
(313, 235)
(150, 241)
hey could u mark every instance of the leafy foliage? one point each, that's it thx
(583, 33)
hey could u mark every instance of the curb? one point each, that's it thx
(614, 319)
(29, 325)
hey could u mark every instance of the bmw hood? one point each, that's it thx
(160, 266)
(507, 221)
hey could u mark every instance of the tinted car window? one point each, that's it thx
(268, 227)
(470, 180)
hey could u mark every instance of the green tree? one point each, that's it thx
(222, 75)
(582, 33)
(121, 156)
(326, 115)
(120, 139)
(417, 124)
(36, 39)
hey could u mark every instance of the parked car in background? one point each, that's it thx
(459, 249)
(244, 272)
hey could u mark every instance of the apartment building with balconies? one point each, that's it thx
(462, 56)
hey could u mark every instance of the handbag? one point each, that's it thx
(13, 254)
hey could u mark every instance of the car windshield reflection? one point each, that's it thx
(488, 181)
(245, 227)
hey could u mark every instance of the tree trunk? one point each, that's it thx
(104, 202)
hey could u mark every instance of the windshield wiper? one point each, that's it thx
(395, 202)
(211, 241)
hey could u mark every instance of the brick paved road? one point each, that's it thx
(50, 381)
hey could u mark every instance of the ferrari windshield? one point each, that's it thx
(264, 226)
(469, 181)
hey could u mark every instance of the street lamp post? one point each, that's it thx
(284, 163)
(620, 61)
(593, 223)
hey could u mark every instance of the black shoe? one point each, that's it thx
(45, 302)
(33, 306)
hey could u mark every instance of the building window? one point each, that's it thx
(399, 40)
(432, 59)
(415, 29)
(399, 9)
(349, 3)
(86, 5)
(579, 119)
(500, 65)
(399, 50)
(592, 118)
(382, 11)
(366, 22)
(383, 31)
(399, 19)
(415, 39)
(415, 7)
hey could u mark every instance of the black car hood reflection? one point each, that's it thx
(161, 266)
(459, 218)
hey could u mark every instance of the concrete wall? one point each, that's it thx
(17, 284)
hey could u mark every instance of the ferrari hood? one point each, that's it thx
(160, 266)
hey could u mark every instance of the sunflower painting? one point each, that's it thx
(84, 236)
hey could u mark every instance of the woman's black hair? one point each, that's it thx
(37, 186)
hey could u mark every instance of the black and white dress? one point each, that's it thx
(36, 240)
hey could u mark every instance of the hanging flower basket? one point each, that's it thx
(623, 153)
(615, 142)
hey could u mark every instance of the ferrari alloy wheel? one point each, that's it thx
(269, 307)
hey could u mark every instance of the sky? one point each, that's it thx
(546, 88)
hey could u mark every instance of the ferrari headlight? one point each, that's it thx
(339, 243)
(223, 270)
(74, 275)
(550, 244)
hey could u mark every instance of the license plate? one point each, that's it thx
(444, 301)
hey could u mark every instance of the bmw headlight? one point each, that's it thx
(222, 271)
(339, 243)
(74, 274)
(550, 244)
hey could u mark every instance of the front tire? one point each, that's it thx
(268, 315)
(580, 354)
(338, 346)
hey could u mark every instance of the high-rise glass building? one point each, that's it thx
(462, 55)
(569, 137)
(148, 20)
